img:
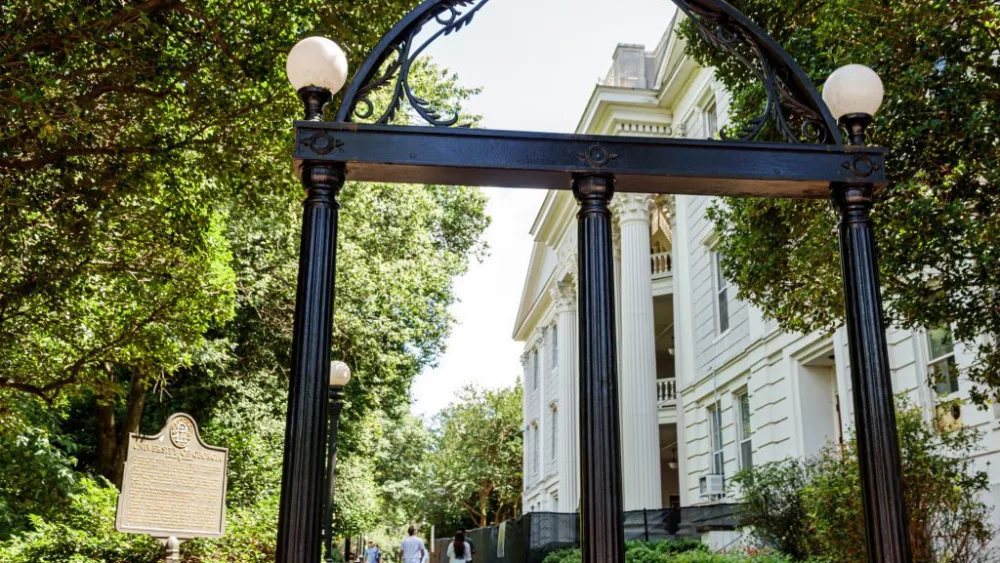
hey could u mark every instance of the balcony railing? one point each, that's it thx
(666, 393)
(662, 265)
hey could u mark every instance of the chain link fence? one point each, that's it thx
(533, 536)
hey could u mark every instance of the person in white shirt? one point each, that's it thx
(459, 551)
(412, 549)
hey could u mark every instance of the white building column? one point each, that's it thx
(568, 417)
(637, 353)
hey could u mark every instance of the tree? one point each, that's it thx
(400, 468)
(937, 221)
(151, 222)
(475, 466)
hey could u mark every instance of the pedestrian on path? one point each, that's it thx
(458, 550)
(372, 554)
(468, 541)
(412, 549)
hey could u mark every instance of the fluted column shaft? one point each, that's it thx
(886, 524)
(300, 519)
(601, 523)
(569, 398)
(640, 425)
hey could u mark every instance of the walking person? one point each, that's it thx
(412, 549)
(458, 550)
(372, 554)
(468, 541)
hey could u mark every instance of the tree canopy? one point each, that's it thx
(475, 468)
(937, 222)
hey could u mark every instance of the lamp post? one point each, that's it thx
(317, 68)
(340, 375)
(854, 93)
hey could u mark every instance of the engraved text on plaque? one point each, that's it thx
(174, 485)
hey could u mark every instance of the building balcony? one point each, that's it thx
(666, 393)
(662, 265)
(666, 400)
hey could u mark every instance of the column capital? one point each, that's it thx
(564, 295)
(538, 334)
(632, 207)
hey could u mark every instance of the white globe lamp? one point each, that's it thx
(317, 69)
(340, 374)
(854, 93)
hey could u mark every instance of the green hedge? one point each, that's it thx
(684, 550)
(675, 551)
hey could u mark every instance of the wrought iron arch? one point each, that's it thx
(793, 104)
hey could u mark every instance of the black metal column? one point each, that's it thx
(874, 411)
(602, 530)
(302, 480)
(336, 405)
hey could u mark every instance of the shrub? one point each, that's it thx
(665, 551)
(774, 508)
(948, 522)
(815, 509)
(251, 537)
(82, 533)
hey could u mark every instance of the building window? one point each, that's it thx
(534, 369)
(536, 445)
(745, 430)
(554, 430)
(527, 456)
(721, 293)
(711, 120)
(553, 347)
(715, 433)
(942, 369)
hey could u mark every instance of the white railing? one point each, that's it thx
(666, 393)
(662, 264)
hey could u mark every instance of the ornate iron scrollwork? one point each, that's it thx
(390, 64)
(793, 104)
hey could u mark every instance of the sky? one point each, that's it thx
(537, 62)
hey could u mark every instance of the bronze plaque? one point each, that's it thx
(174, 484)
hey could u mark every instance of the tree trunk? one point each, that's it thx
(107, 437)
(136, 403)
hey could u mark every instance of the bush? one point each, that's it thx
(81, 533)
(668, 551)
(37, 473)
(774, 508)
(948, 522)
(84, 533)
(819, 504)
(251, 537)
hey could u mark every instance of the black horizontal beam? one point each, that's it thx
(481, 157)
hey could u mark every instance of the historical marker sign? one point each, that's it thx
(174, 485)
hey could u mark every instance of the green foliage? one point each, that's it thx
(820, 502)
(251, 537)
(937, 221)
(149, 254)
(38, 470)
(83, 532)
(773, 506)
(474, 470)
(399, 466)
(673, 551)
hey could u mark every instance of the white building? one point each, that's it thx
(707, 386)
